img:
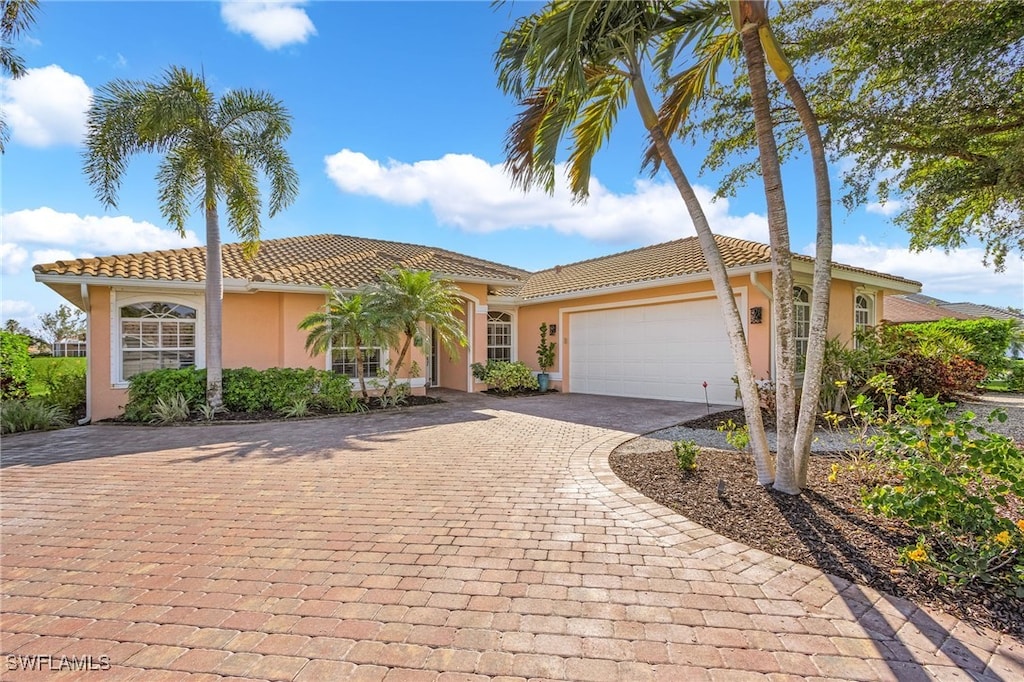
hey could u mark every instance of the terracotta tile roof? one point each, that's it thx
(309, 260)
(903, 309)
(670, 259)
(349, 262)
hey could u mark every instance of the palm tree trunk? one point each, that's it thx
(821, 288)
(782, 266)
(214, 306)
(393, 374)
(360, 374)
(719, 277)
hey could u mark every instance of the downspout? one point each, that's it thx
(771, 313)
(88, 356)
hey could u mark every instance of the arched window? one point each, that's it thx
(863, 312)
(157, 335)
(499, 336)
(802, 318)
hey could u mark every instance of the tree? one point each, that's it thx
(404, 302)
(346, 320)
(15, 18)
(927, 98)
(573, 66)
(62, 324)
(12, 326)
(214, 150)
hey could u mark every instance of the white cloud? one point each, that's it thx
(887, 208)
(22, 311)
(468, 193)
(46, 106)
(71, 235)
(12, 258)
(957, 276)
(54, 255)
(271, 24)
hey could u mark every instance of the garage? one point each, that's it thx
(664, 351)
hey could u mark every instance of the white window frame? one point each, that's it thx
(868, 310)
(119, 300)
(801, 317)
(383, 357)
(511, 322)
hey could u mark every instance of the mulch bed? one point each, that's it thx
(824, 527)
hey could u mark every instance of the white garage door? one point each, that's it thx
(658, 351)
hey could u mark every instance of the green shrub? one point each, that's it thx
(334, 392)
(735, 435)
(1015, 377)
(244, 390)
(686, 454)
(989, 339)
(146, 388)
(15, 370)
(934, 376)
(955, 482)
(30, 415)
(299, 407)
(480, 371)
(510, 376)
(65, 387)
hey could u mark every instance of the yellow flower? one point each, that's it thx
(925, 422)
(917, 554)
(1020, 524)
(1002, 538)
(922, 444)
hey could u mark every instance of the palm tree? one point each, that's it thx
(405, 302)
(759, 43)
(214, 150)
(573, 66)
(346, 320)
(15, 18)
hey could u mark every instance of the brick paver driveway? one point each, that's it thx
(479, 538)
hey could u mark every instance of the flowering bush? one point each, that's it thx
(954, 484)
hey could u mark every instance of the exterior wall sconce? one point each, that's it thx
(552, 328)
(756, 315)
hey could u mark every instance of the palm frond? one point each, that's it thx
(242, 196)
(112, 124)
(609, 94)
(179, 178)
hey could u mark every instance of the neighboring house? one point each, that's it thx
(642, 323)
(908, 308)
(69, 348)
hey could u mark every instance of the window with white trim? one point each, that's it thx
(863, 312)
(156, 335)
(802, 319)
(343, 358)
(499, 336)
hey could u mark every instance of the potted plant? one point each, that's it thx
(545, 358)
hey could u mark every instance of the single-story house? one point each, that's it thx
(643, 323)
(911, 308)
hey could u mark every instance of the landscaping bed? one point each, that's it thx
(825, 527)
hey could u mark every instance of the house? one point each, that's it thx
(910, 308)
(643, 323)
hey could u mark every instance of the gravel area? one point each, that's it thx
(832, 441)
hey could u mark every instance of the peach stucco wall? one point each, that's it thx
(261, 331)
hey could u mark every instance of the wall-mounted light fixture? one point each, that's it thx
(552, 328)
(756, 315)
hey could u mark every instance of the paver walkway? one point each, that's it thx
(482, 538)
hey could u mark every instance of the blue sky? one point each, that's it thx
(398, 134)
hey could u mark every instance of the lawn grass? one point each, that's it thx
(42, 366)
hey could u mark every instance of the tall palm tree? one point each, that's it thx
(214, 150)
(346, 320)
(406, 301)
(15, 18)
(573, 65)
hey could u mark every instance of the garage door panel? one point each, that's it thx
(661, 351)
